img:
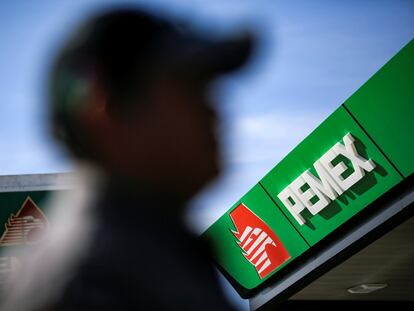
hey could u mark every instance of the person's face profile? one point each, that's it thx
(187, 124)
(172, 138)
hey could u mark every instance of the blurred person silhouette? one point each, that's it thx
(130, 99)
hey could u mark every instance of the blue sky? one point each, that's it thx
(313, 56)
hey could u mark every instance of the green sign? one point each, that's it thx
(23, 219)
(357, 154)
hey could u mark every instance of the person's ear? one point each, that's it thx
(93, 118)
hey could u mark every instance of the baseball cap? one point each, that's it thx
(125, 47)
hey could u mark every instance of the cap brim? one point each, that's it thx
(211, 58)
(228, 55)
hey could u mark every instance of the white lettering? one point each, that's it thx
(292, 203)
(314, 194)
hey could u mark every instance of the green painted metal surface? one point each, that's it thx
(384, 106)
(379, 116)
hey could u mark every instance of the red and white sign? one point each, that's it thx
(259, 244)
(28, 226)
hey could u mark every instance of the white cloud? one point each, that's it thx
(258, 139)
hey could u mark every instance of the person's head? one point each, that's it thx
(129, 92)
